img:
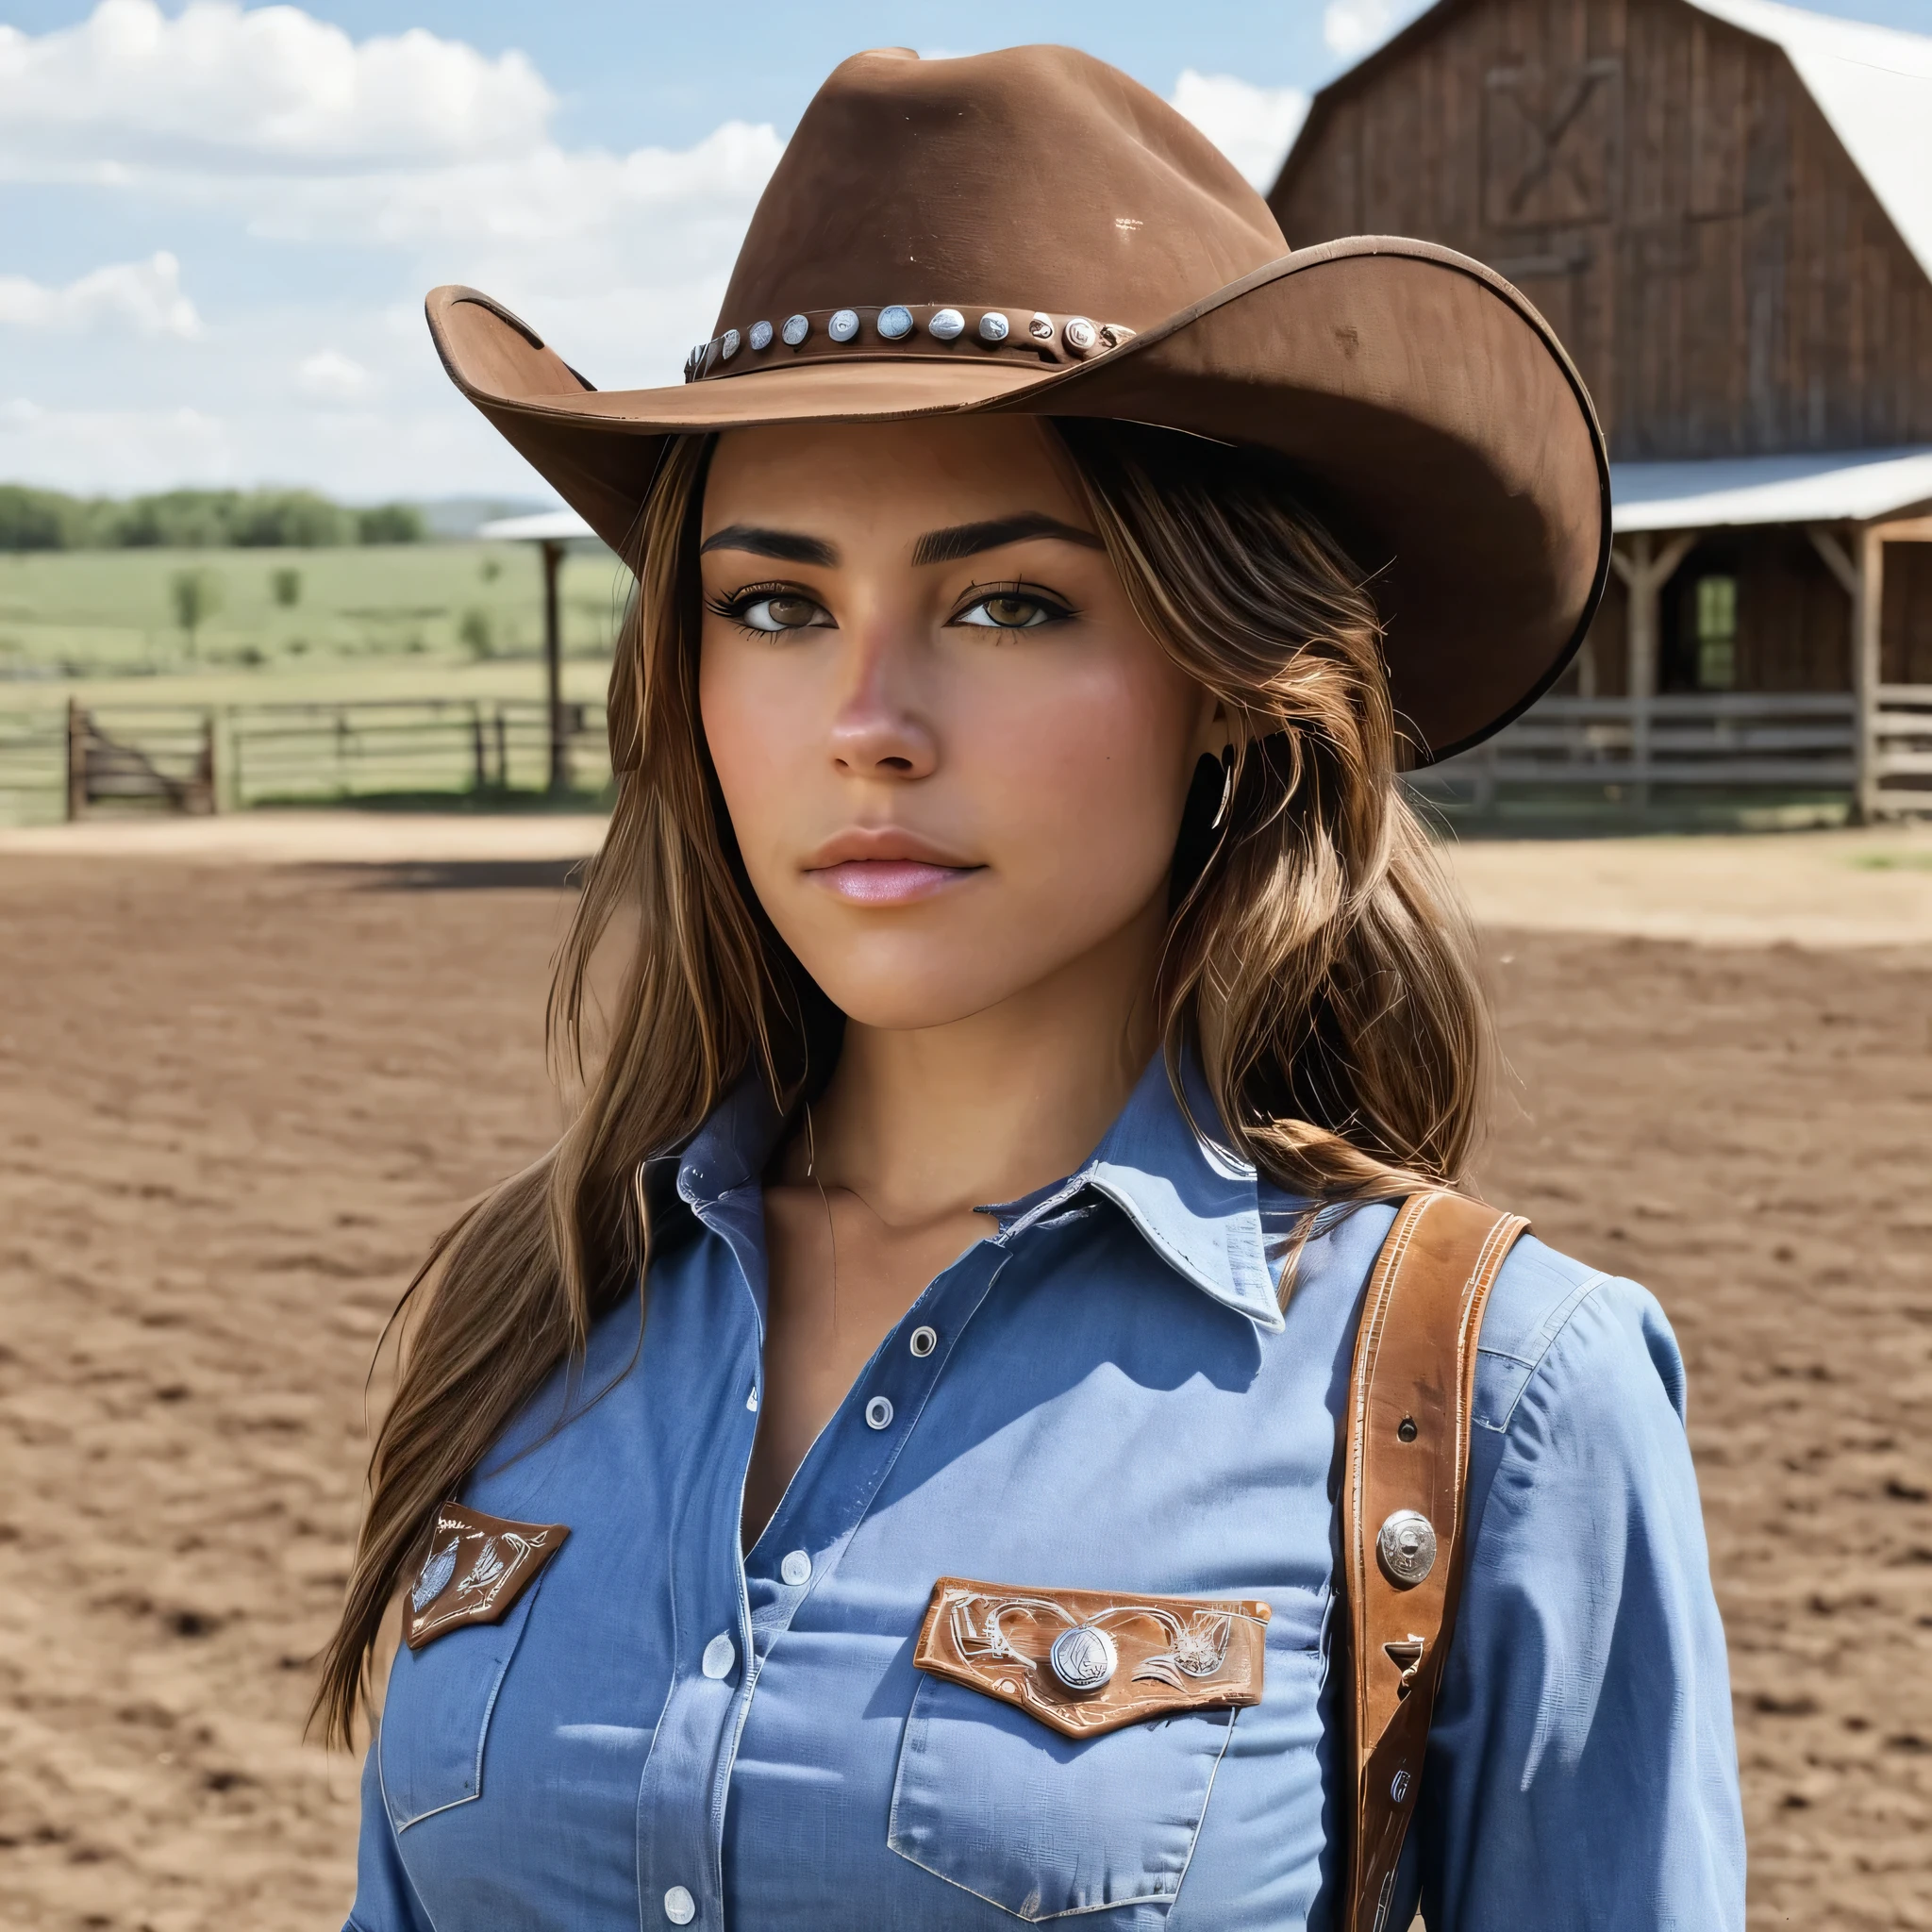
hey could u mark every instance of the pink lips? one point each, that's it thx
(888, 881)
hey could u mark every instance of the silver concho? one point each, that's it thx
(796, 330)
(728, 344)
(946, 323)
(896, 322)
(994, 326)
(761, 335)
(1407, 1545)
(1080, 334)
(1083, 1658)
(437, 1571)
(1040, 328)
(843, 325)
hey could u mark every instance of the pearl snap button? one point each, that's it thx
(923, 1341)
(720, 1654)
(679, 1907)
(878, 1413)
(796, 1568)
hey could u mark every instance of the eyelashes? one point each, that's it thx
(775, 610)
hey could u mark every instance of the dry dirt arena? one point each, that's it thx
(243, 1082)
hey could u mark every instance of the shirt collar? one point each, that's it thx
(1193, 1201)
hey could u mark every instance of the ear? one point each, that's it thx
(1214, 729)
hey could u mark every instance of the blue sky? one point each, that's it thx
(216, 223)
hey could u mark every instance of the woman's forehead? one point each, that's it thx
(921, 473)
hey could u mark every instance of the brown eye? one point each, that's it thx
(1008, 610)
(782, 612)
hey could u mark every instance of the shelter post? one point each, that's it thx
(1851, 567)
(552, 668)
(1644, 573)
(1865, 666)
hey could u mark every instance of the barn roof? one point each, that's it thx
(1854, 486)
(1874, 85)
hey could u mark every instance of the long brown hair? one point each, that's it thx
(1317, 962)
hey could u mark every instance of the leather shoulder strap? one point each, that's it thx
(1405, 1468)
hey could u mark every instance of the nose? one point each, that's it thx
(881, 730)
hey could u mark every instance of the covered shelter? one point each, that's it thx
(1724, 206)
(552, 532)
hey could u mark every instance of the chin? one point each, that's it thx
(905, 994)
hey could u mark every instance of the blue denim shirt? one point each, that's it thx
(664, 1730)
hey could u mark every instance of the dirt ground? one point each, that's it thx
(238, 1098)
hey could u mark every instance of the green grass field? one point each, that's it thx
(406, 620)
(454, 631)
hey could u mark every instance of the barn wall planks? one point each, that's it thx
(1666, 191)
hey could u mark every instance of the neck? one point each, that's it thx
(927, 1122)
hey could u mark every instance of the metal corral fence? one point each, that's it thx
(1623, 748)
(55, 764)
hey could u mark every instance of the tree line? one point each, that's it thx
(198, 519)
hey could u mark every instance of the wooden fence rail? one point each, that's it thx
(1733, 740)
(177, 757)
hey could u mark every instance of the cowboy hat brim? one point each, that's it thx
(1436, 420)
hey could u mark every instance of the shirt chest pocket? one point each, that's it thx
(1040, 1825)
(1062, 1746)
(436, 1716)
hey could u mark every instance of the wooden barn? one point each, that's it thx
(1725, 207)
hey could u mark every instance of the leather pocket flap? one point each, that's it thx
(1086, 1661)
(476, 1568)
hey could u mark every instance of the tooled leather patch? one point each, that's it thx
(1086, 1660)
(476, 1568)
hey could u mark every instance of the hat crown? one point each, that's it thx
(1034, 179)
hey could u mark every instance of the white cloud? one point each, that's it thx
(1254, 127)
(144, 295)
(330, 377)
(1353, 27)
(217, 87)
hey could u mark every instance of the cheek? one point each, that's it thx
(1083, 785)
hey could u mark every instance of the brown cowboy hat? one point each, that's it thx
(1031, 230)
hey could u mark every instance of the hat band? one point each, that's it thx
(899, 329)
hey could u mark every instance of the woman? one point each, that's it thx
(1039, 995)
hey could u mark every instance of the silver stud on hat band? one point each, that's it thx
(1074, 339)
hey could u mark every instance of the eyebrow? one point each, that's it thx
(936, 546)
(968, 540)
(787, 546)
